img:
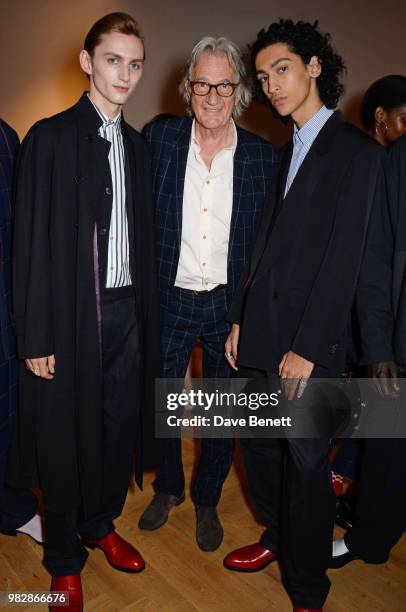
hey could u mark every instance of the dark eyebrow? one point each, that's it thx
(121, 57)
(276, 62)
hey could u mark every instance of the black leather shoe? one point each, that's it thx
(345, 510)
(209, 532)
(341, 560)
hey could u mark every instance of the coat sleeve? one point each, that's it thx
(374, 288)
(262, 231)
(398, 210)
(236, 310)
(31, 245)
(348, 269)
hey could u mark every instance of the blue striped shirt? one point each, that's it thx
(303, 139)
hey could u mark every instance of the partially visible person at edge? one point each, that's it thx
(380, 509)
(322, 246)
(383, 109)
(210, 179)
(383, 116)
(18, 507)
(86, 310)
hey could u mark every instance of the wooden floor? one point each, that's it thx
(181, 578)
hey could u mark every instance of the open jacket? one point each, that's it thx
(62, 216)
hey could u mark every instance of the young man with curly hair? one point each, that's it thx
(311, 260)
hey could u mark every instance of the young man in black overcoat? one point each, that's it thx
(85, 309)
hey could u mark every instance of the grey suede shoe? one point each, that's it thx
(209, 532)
(156, 514)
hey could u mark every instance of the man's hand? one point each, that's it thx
(44, 367)
(295, 371)
(385, 378)
(231, 346)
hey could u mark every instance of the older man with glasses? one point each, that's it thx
(210, 180)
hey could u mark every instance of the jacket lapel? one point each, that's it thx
(177, 169)
(93, 168)
(241, 159)
(313, 168)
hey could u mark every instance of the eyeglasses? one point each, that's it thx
(225, 89)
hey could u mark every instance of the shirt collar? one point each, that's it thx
(194, 143)
(308, 132)
(116, 121)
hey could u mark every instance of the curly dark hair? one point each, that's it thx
(306, 40)
(388, 92)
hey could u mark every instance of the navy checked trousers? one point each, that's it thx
(184, 318)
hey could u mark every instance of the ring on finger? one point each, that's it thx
(228, 354)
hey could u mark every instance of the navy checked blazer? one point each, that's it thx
(8, 363)
(254, 167)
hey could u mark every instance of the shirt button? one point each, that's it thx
(111, 237)
(208, 182)
(204, 209)
(107, 191)
(204, 237)
(203, 264)
(103, 231)
(112, 268)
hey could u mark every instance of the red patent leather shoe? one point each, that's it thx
(119, 553)
(71, 585)
(299, 609)
(252, 558)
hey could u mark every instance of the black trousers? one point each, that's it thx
(64, 552)
(290, 485)
(381, 507)
(17, 506)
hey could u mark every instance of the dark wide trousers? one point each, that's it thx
(290, 485)
(186, 317)
(381, 507)
(17, 506)
(64, 552)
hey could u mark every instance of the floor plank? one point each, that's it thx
(181, 578)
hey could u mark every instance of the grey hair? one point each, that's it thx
(219, 46)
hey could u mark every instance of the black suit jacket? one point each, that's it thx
(397, 156)
(327, 244)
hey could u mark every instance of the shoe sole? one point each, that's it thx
(116, 567)
(338, 564)
(248, 571)
(155, 527)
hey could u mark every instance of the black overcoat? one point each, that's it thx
(62, 216)
(323, 248)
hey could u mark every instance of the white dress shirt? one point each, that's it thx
(206, 218)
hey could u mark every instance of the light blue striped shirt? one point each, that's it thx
(303, 139)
